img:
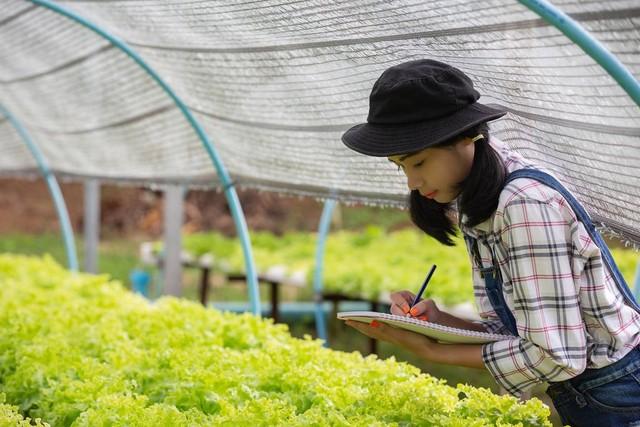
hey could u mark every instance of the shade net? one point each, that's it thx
(275, 83)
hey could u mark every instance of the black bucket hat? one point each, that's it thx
(415, 105)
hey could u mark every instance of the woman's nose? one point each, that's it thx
(414, 182)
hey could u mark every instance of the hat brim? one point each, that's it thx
(388, 140)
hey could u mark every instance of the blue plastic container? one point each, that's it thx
(140, 281)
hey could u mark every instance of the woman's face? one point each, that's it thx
(437, 172)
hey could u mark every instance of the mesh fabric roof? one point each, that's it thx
(275, 84)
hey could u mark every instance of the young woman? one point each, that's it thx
(541, 272)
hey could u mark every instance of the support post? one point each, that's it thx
(204, 284)
(173, 215)
(323, 230)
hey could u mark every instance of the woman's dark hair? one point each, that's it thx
(478, 198)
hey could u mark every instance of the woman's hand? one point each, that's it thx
(416, 343)
(469, 355)
(424, 310)
(427, 310)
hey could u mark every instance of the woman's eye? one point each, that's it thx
(420, 163)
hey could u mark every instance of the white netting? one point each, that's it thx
(275, 84)
(15, 156)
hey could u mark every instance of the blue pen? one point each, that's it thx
(424, 286)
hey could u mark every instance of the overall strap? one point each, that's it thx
(583, 217)
(493, 287)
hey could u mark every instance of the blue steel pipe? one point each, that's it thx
(229, 190)
(54, 189)
(325, 222)
(592, 47)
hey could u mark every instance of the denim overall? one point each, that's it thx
(609, 396)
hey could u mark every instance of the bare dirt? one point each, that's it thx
(27, 207)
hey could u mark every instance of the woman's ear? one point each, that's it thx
(466, 141)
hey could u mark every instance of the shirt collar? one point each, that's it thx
(478, 230)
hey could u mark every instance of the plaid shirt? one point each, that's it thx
(569, 313)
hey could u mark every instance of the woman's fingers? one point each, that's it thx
(419, 309)
(425, 307)
(401, 302)
(424, 310)
(395, 309)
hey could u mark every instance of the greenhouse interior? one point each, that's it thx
(187, 233)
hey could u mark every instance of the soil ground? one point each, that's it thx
(27, 207)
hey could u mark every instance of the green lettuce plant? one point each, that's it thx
(80, 350)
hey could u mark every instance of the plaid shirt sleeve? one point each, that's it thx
(535, 251)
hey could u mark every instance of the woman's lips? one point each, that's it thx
(430, 195)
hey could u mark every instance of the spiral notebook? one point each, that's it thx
(443, 334)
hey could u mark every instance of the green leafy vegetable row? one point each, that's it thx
(10, 417)
(364, 264)
(79, 350)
